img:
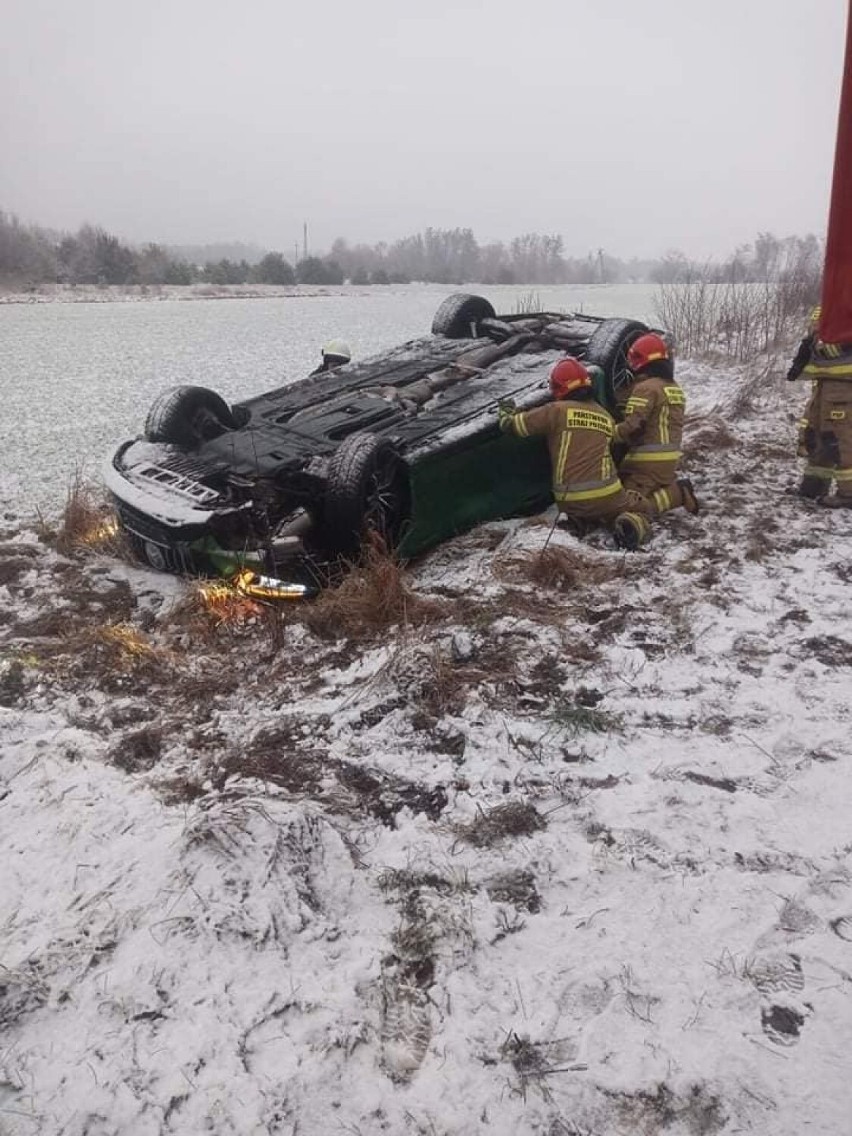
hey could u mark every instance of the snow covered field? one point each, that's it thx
(77, 378)
(567, 853)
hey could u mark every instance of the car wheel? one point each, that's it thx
(607, 349)
(367, 490)
(459, 315)
(188, 416)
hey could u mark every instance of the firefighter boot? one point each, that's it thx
(578, 527)
(814, 488)
(631, 530)
(690, 501)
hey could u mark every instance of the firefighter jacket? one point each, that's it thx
(829, 361)
(653, 422)
(579, 435)
(825, 431)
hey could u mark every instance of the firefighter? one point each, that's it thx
(336, 353)
(652, 428)
(579, 432)
(825, 430)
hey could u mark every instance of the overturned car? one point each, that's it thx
(277, 490)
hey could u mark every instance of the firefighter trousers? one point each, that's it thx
(606, 510)
(656, 482)
(825, 440)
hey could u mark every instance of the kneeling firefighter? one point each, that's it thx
(652, 428)
(579, 433)
(825, 430)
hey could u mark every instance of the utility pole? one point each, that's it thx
(305, 239)
(295, 254)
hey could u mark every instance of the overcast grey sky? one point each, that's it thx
(635, 125)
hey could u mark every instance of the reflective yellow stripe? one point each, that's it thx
(674, 396)
(837, 415)
(819, 471)
(643, 525)
(664, 424)
(803, 422)
(843, 474)
(564, 446)
(655, 456)
(663, 500)
(520, 426)
(828, 350)
(589, 494)
(633, 402)
(827, 371)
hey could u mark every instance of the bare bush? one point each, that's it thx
(713, 310)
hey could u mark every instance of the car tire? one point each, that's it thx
(459, 315)
(188, 416)
(607, 349)
(367, 490)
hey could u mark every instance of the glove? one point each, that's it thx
(803, 356)
(506, 415)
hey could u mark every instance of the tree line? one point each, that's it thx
(31, 256)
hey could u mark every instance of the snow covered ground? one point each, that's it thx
(570, 852)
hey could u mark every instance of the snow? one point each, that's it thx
(249, 885)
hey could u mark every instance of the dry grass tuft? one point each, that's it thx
(708, 433)
(213, 613)
(86, 522)
(125, 642)
(762, 538)
(405, 880)
(12, 683)
(440, 688)
(515, 818)
(15, 561)
(112, 656)
(695, 1110)
(139, 751)
(212, 608)
(372, 597)
(515, 886)
(579, 714)
(559, 569)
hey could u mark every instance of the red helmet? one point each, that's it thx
(646, 349)
(568, 375)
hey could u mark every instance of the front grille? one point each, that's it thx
(143, 526)
(169, 555)
(174, 559)
(183, 484)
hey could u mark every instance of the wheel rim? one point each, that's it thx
(385, 499)
(622, 376)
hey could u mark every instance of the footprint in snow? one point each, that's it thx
(777, 974)
(782, 1024)
(842, 927)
